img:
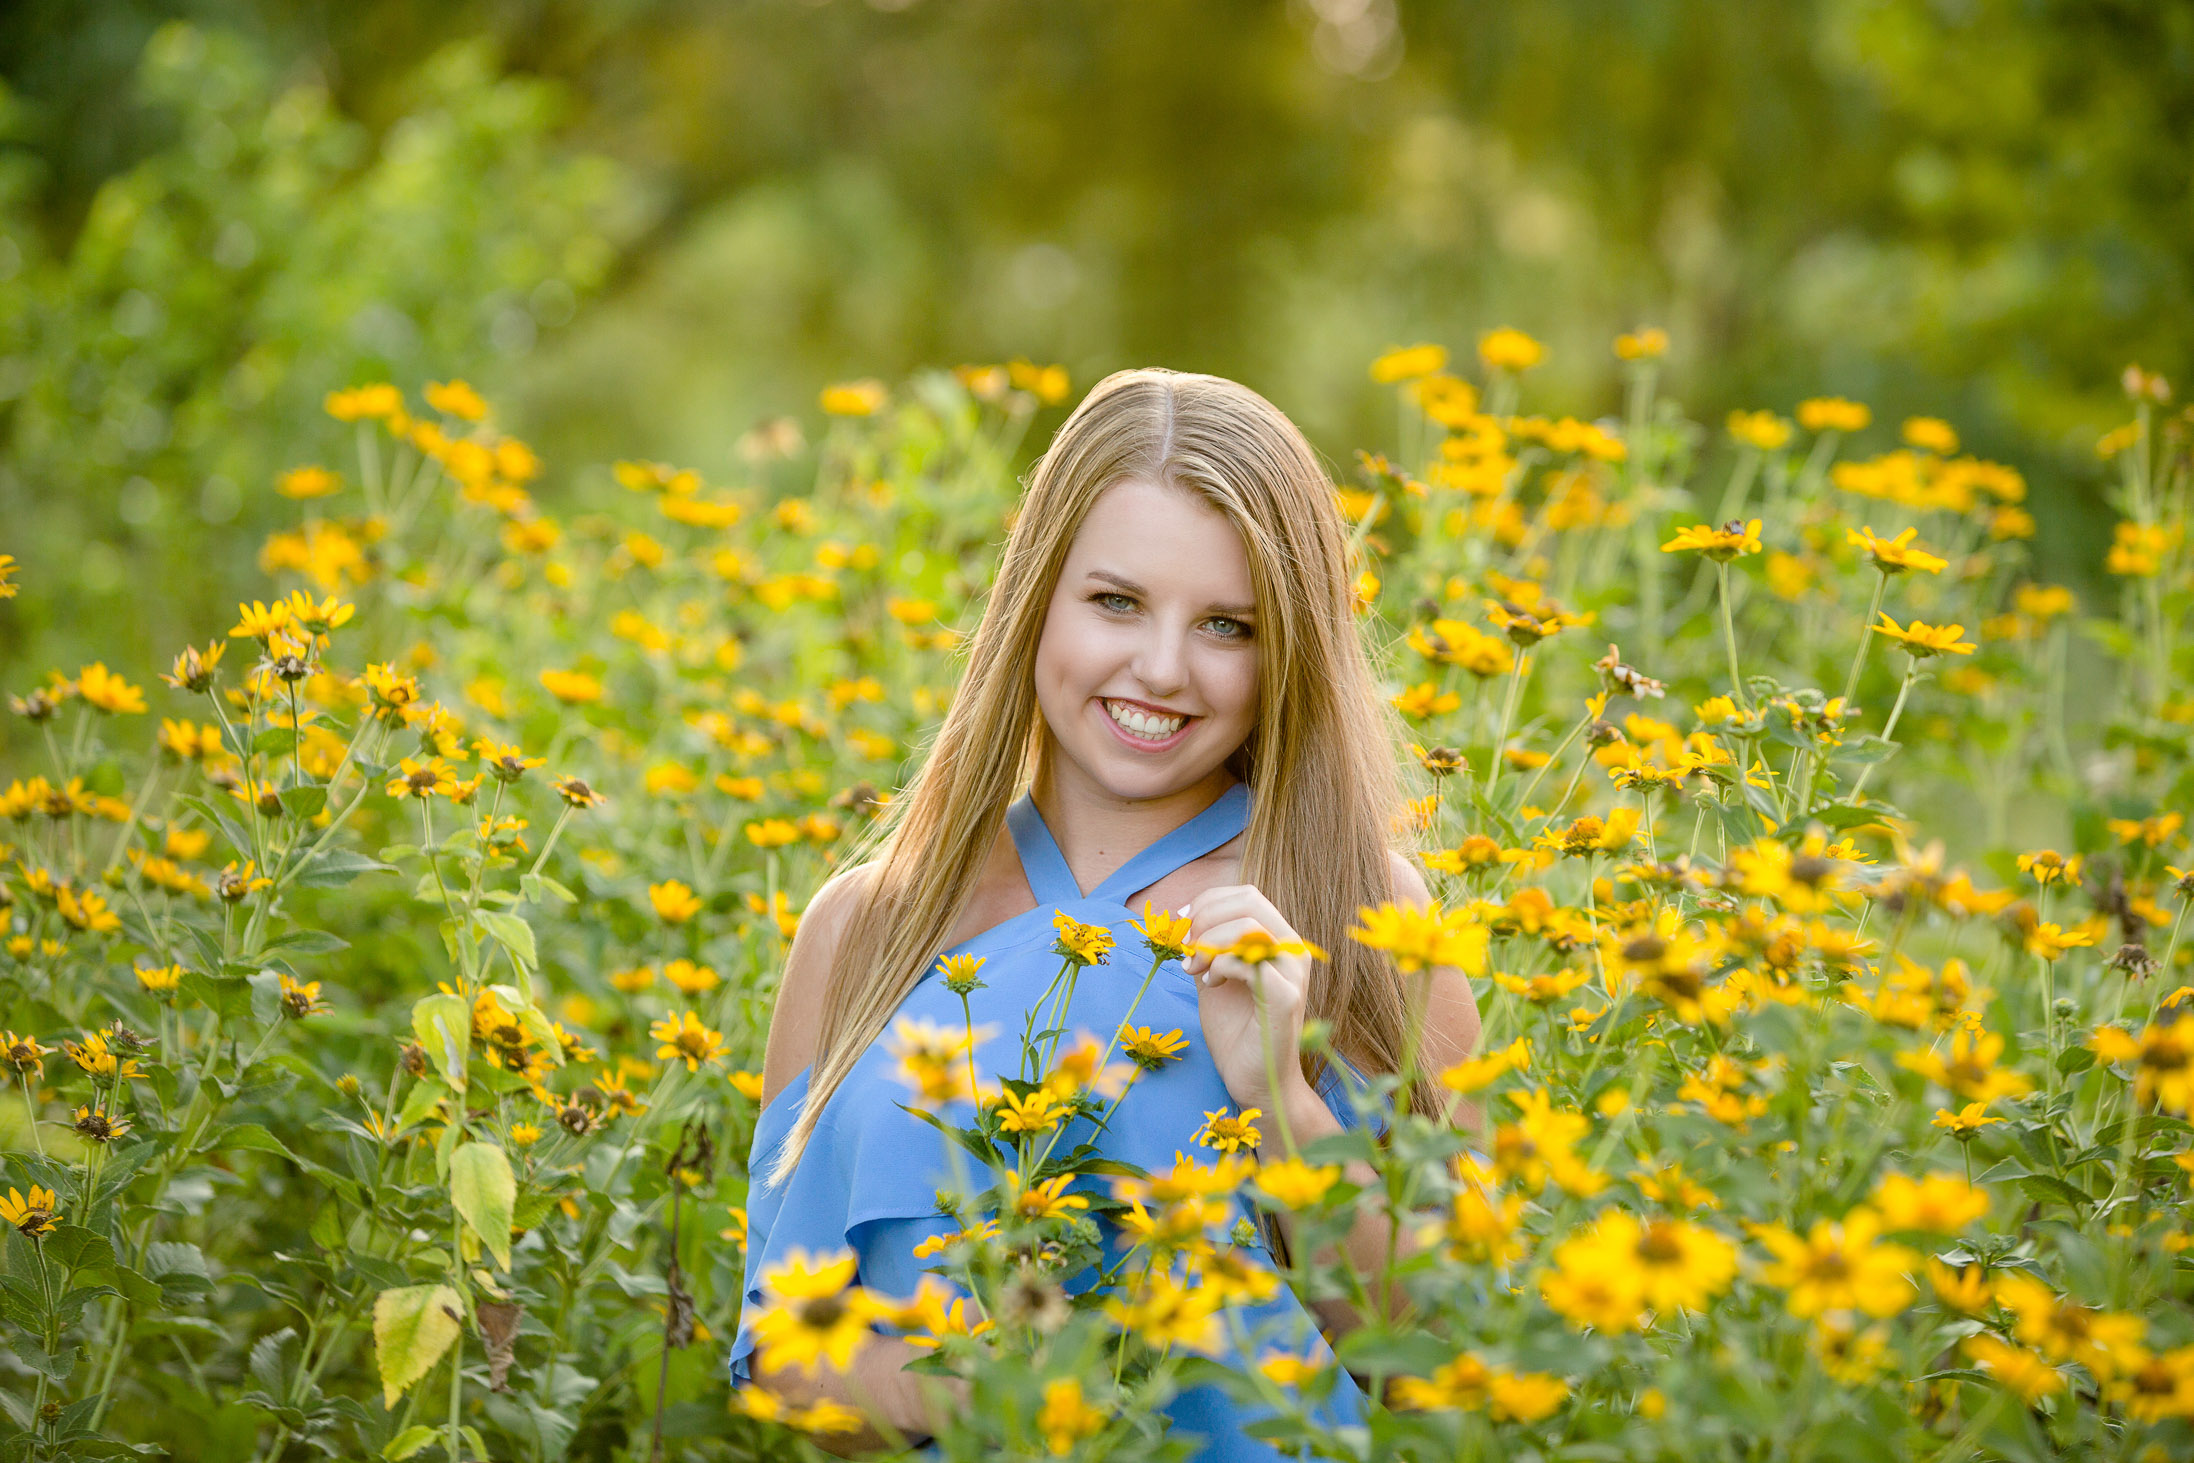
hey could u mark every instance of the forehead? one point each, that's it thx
(1164, 538)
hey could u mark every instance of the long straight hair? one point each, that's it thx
(1321, 761)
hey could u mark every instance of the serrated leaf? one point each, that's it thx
(408, 1442)
(275, 741)
(483, 1189)
(304, 801)
(513, 934)
(227, 996)
(412, 1327)
(420, 1101)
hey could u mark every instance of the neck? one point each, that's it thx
(1097, 829)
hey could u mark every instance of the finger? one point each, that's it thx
(1225, 932)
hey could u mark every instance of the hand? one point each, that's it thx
(1227, 992)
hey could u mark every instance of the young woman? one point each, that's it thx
(1167, 699)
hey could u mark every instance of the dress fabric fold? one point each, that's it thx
(870, 1176)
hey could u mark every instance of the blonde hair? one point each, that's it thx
(1321, 762)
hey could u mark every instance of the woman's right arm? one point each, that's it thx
(876, 1385)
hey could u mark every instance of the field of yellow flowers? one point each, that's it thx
(384, 981)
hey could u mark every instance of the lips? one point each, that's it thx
(1130, 736)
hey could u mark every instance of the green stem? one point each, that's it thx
(1508, 717)
(1729, 641)
(1912, 667)
(1866, 635)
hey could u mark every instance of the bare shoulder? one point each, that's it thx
(1409, 881)
(797, 1020)
(1451, 1006)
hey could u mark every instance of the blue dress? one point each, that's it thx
(869, 1176)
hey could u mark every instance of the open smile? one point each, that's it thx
(1146, 730)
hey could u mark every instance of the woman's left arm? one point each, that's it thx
(1450, 1036)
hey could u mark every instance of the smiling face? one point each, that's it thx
(1147, 668)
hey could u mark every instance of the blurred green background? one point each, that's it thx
(642, 226)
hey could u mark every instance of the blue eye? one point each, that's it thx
(1240, 630)
(1101, 598)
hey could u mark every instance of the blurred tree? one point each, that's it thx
(161, 362)
(1977, 208)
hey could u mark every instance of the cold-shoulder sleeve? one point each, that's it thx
(867, 1186)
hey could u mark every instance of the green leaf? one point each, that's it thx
(533, 886)
(513, 934)
(338, 866)
(309, 942)
(1865, 751)
(412, 1327)
(443, 1025)
(305, 800)
(483, 1190)
(274, 741)
(409, 1441)
(227, 996)
(246, 1138)
(420, 1101)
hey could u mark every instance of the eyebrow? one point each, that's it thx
(1239, 612)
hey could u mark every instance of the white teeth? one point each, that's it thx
(1143, 724)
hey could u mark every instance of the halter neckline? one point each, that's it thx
(1053, 882)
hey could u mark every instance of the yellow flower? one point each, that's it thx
(308, 482)
(256, 621)
(1833, 414)
(1587, 1291)
(1675, 1263)
(1966, 1123)
(1165, 932)
(1506, 349)
(1065, 1418)
(1046, 1200)
(1761, 429)
(108, 691)
(674, 902)
(1419, 937)
(23, 1055)
(2162, 1057)
(456, 399)
(7, 576)
(2046, 866)
(2016, 1367)
(689, 977)
(33, 1216)
(811, 1311)
(1839, 1266)
(1924, 640)
(1941, 1203)
(1407, 362)
(1149, 1050)
(687, 1038)
(1475, 1074)
(1648, 344)
(1970, 1071)
(1228, 1132)
(1038, 1111)
(1080, 943)
(1733, 540)
(571, 687)
(422, 779)
(1164, 1311)
(575, 792)
(1895, 555)
(300, 998)
(2106, 1343)
(959, 972)
(854, 398)
(1930, 434)
(2049, 941)
(1294, 1184)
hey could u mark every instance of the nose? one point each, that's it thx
(1161, 660)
